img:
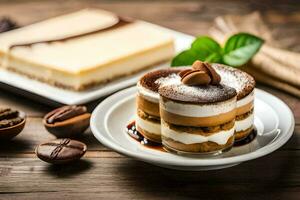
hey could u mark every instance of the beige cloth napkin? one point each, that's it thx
(272, 65)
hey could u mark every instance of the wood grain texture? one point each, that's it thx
(106, 174)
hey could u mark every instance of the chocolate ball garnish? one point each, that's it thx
(202, 73)
(60, 151)
(67, 121)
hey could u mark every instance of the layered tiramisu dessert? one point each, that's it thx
(148, 116)
(198, 114)
(244, 84)
(85, 48)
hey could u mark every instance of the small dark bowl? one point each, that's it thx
(73, 127)
(10, 132)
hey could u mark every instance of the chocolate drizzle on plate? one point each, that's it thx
(121, 22)
(133, 133)
(246, 140)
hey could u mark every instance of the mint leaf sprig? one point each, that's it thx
(237, 51)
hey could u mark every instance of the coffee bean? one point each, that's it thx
(67, 121)
(60, 151)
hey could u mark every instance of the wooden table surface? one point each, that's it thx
(103, 173)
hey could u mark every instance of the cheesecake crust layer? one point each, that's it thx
(204, 131)
(205, 147)
(147, 106)
(243, 134)
(148, 117)
(149, 126)
(244, 115)
(244, 109)
(149, 135)
(80, 87)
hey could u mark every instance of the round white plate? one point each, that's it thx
(274, 122)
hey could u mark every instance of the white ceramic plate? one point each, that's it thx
(274, 122)
(45, 91)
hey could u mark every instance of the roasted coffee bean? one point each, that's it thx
(64, 113)
(8, 113)
(60, 151)
(67, 121)
(10, 122)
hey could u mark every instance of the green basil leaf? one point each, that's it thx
(205, 46)
(240, 48)
(184, 58)
(214, 58)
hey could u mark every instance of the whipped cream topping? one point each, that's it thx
(247, 99)
(244, 124)
(193, 110)
(154, 96)
(148, 126)
(220, 137)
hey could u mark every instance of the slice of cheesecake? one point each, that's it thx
(85, 48)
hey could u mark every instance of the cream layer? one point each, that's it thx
(220, 137)
(244, 124)
(101, 74)
(247, 99)
(204, 110)
(148, 126)
(148, 94)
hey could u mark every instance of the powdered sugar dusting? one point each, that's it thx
(157, 79)
(170, 79)
(239, 80)
(197, 94)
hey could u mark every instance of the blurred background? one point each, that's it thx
(193, 17)
(277, 21)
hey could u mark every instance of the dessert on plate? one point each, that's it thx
(148, 116)
(198, 114)
(83, 49)
(244, 85)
